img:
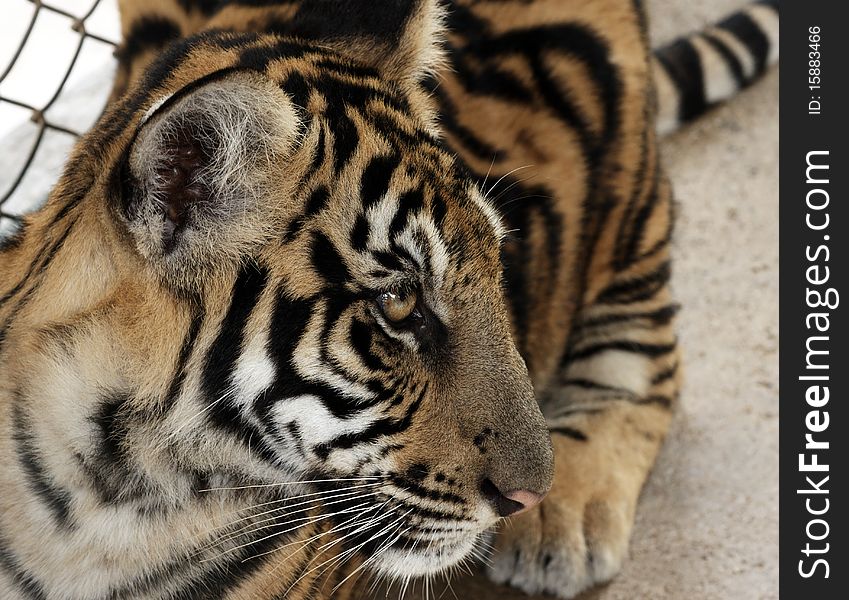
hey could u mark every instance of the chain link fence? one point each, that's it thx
(56, 65)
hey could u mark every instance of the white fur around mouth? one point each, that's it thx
(398, 563)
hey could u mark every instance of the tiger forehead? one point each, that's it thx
(396, 186)
(359, 112)
(364, 139)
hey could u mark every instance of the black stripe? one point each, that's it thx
(39, 263)
(388, 260)
(77, 177)
(650, 350)
(315, 203)
(294, 431)
(662, 242)
(257, 57)
(433, 513)
(111, 471)
(345, 134)
(637, 289)
(360, 233)
(327, 261)
(147, 33)
(570, 432)
(559, 99)
(665, 375)
(411, 202)
(207, 7)
(334, 307)
(520, 206)
(589, 384)
(380, 428)
(288, 322)
(234, 568)
(224, 353)
(361, 336)
(425, 265)
(684, 67)
(27, 584)
(320, 151)
(490, 78)
(568, 411)
(185, 352)
(359, 93)
(113, 431)
(747, 31)
(354, 19)
(390, 126)
(465, 137)
(10, 317)
(629, 244)
(642, 174)
(347, 69)
(408, 485)
(438, 210)
(374, 183)
(735, 67)
(660, 316)
(657, 399)
(296, 87)
(576, 41)
(56, 499)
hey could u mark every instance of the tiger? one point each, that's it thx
(333, 291)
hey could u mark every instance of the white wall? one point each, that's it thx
(36, 76)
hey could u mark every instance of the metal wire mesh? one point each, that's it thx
(22, 143)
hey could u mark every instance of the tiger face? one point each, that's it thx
(345, 279)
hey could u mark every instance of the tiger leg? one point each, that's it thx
(608, 415)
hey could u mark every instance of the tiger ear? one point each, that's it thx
(401, 38)
(197, 181)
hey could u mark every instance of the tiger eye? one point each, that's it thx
(397, 307)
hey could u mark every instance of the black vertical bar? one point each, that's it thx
(814, 254)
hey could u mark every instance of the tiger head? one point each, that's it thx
(306, 286)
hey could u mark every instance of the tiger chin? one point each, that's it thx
(330, 291)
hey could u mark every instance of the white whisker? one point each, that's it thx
(507, 174)
(285, 483)
(355, 548)
(319, 502)
(309, 521)
(313, 497)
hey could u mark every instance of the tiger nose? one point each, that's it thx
(509, 503)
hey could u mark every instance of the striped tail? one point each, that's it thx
(696, 72)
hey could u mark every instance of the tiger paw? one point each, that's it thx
(563, 546)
